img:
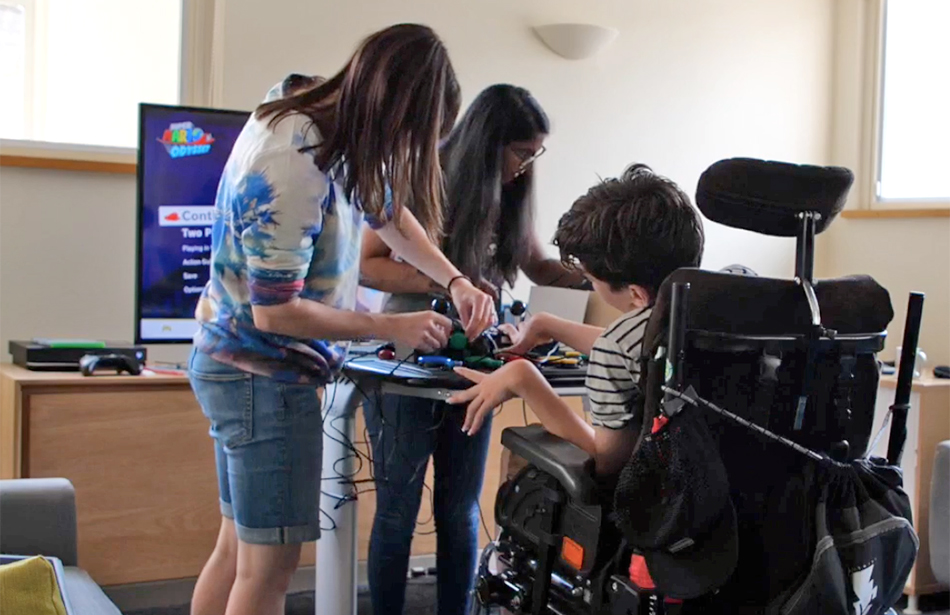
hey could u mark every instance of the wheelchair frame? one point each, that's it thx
(533, 583)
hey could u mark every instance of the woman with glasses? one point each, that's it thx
(488, 234)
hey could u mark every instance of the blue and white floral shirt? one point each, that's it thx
(283, 229)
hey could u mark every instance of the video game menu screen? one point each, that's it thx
(182, 153)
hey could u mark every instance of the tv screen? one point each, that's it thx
(182, 153)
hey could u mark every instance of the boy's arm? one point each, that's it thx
(556, 416)
(613, 448)
(610, 448)
(520, 379)
(544, 327)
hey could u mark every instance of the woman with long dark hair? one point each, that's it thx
(489, 235)
(314, 161)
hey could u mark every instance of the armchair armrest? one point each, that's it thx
(569, 465)
(38, 518)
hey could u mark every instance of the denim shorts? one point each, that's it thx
(268, 442)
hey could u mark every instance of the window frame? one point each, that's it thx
(199, 84)
(874, 71)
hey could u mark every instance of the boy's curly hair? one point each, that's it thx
(635, 229)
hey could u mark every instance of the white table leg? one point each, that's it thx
(913, 606)
(336, 552)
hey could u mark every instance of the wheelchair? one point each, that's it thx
(789, 364)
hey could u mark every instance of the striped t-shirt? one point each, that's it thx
(613, 374)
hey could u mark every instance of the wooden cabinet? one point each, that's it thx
(928, 423)
(137, 451)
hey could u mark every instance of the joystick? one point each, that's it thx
(441, 305)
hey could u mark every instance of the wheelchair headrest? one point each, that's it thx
(766, 197)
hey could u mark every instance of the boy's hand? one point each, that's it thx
(531, 333)
(489, 392)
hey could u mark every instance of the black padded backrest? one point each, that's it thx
(766, 196)
(749, 305)
(771, 484)
(735, 305)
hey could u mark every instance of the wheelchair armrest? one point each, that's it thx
(569, 465)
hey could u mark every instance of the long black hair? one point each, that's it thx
(480, 211)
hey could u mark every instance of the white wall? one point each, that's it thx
(67, 248)
(686, 83)
(903, 255)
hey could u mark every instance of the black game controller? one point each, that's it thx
(89, 363)
(485, 345)
(480, 352)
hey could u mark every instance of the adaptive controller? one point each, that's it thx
(479, 353)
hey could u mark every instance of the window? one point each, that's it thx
(912, 140)
(16, 46)
(74, 71)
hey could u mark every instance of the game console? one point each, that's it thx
(64, 355)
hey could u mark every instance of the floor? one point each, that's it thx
(937, 604)
(420, 600)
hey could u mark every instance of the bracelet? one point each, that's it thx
(448, 286)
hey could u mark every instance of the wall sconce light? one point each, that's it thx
(575, 41)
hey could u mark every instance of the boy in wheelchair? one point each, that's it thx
(627, 235)
(670, 503)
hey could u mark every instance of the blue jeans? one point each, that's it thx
(268, 439)
(404, 433)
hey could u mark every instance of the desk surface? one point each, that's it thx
(20, 374)
(926, 381)
(410, 375)
(103, 378)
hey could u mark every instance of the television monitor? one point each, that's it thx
(182, 153)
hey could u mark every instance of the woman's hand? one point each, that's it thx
(489, 392)
(529, 334)
(426, 331)
(476, 309)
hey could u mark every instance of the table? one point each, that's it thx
(336, 564)
(928, 423)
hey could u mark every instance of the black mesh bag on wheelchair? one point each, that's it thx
(749, 489)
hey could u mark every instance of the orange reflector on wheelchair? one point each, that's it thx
(640, 574)
(572, 553)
